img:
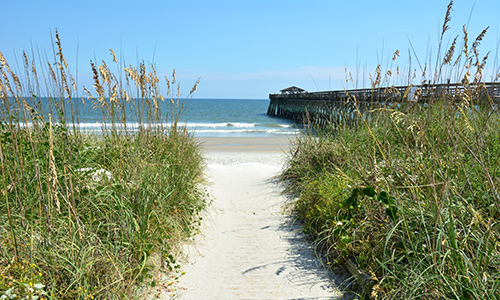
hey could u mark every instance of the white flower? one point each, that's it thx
(97, 175)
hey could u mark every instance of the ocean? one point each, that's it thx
(204, 118)
(234, 117)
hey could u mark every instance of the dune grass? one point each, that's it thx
(92, 215)
(411, 191)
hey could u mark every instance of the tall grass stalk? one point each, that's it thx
(411, 191)
(92, 214)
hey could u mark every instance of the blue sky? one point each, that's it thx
(247, 48)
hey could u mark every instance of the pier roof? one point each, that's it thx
(292, 90)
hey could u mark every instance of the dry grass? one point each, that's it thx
(92, 215)
(412, 191)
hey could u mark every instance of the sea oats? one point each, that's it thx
(155, 105)
(3, 94)
(4, 66)
(105, 73)
(98, 87)
(27, 108)
(17, 83)
(458, 59)
(151, 78)
(65, 84)
(89, 94)
(378, 77)
(447, 19)
(466, 42)
(33, 68)
(114, 55)
(450, 52)
(114, 94)
(479, 38)
(52, 168)
(52, 73)
(7, 86)
(143, 79)
(133, 74)
(73, 83)
(168, 86)
(396, 55)
(26, 62)
(465, 79)
(195, 87)
(479, 72)
(3, 61)
(60, 53)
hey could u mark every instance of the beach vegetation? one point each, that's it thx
(410, 190)
(92, 214)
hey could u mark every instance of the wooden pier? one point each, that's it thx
(343, 105)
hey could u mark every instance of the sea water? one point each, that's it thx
(202, 117)
(234, 117)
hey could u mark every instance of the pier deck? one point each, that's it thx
(334, 106)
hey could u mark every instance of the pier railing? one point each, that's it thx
(342, 105)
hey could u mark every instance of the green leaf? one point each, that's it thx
(345, 240)
(349, 201)
(383, 197)
(337, 232)
(391, 212)
(369, 191)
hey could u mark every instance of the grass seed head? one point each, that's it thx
(479, 38)
(396, 55)
(59, 51)
(450, 52)
(447, 19)
(52, 168)
(466, 42)
(33, 68)
(114, 55)
(52, 73)
(3, 61)
(195, 87)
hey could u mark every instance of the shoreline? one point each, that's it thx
(255, 144)
(238, 150)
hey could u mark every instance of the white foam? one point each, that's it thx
(218, 125)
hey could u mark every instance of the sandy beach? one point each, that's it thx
(238, 150)
(248, 247)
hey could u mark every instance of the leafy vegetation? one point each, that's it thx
(89, 215)
(411, 192)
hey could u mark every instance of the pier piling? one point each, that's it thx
(334, 107)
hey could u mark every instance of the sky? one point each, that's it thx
(248, 48)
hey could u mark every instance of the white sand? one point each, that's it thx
(248, 248)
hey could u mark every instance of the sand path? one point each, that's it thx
(248, 248)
